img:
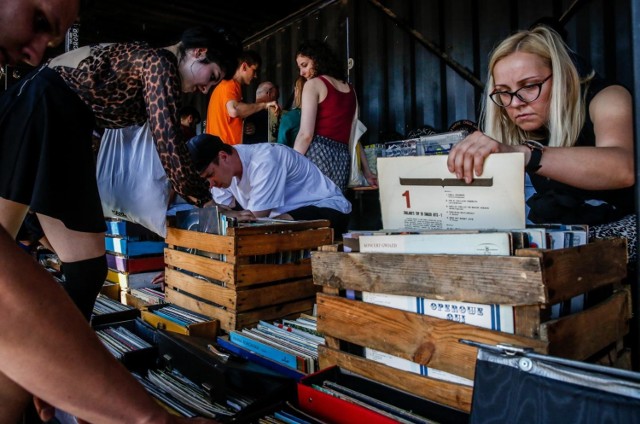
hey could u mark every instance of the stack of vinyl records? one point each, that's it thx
(107, 310)
(287, 346)
(182, 396)
(118, 340)
(179, 315)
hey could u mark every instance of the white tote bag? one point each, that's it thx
(132, 182)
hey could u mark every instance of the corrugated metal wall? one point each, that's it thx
(402, 84)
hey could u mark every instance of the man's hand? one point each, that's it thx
(47, 412)
(241, 215)
(159, 279)
(274, 104)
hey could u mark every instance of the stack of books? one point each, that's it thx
(134, 255)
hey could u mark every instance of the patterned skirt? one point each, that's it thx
(333, 159)
(625, 227)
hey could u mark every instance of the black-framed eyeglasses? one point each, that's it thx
(527, 94)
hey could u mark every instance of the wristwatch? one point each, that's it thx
(537, 149)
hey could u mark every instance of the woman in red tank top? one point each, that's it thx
(328, 110)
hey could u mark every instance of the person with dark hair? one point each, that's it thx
(46, 126)
(268, 180)
(47, 348)
(226, 110)
(189, 118)
(576, 134)
(329, 107)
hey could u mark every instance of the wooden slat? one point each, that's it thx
(250, 318)
(202, 241)
(581, 335)
(526, 320)
(476, 279)
(332, 342)
(418, 338)
(454, 395)
(247, 275)
(263, 244)
(210, 268)
(230, 320)
(572, 271)
(274, 294)
(280, 227)
(131, 300)
(336, 247)
(203, 289)
(241, 300)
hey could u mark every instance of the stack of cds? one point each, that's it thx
(119, 341)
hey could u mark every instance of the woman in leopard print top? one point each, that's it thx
(46, 125)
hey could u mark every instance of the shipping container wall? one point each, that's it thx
(418, 62)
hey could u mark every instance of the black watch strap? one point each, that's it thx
(536, 155)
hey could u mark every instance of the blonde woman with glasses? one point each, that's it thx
(576, 133)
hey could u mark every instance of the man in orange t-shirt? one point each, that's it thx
(226, 110)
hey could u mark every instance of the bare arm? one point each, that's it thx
(371, 178)
(310, 100)
(50, 350)
(608, 165)
(238, 109)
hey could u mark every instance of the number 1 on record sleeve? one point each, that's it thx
(407, 198)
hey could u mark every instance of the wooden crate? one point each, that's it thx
(237, 291)
(531, 281)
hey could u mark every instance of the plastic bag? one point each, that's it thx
(356, 177)
(131, 180)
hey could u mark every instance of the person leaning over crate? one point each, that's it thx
(46, 126)
(268, 180)
(576, 134)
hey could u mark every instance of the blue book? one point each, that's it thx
(249, 355)
(268, 351)
(133, 248)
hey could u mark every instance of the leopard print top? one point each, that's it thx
(126, 84)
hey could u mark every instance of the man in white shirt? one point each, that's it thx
(268, 180)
